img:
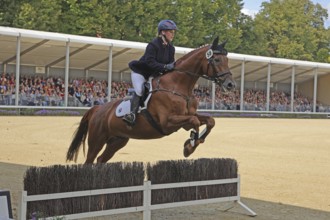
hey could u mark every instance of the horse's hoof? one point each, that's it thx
(186, 152)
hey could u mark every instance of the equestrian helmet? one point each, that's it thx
(166, 25)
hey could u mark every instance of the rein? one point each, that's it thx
(215, 78)
(185, 97)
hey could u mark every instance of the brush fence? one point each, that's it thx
(168, 184)
(147, 207)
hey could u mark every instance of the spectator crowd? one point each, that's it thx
(49, 91)
(256, 100)
(36, 90)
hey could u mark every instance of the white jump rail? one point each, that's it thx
(147, 207)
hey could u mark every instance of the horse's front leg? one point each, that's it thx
(187, 122)
(209, 122)
(197, 138)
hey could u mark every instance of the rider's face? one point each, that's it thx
(169, 34)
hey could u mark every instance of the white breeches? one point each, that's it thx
(137, 81)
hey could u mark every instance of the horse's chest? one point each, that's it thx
(183, 107)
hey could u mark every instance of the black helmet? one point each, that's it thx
(166, 25)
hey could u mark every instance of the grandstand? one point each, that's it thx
(61, 70)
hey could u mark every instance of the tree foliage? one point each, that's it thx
(283, 28)
(41, 15)
(293, 29)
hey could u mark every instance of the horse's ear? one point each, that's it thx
(223, 44)
(215, 43)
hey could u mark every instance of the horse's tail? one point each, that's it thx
(79, 136)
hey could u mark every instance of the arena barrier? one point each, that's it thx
(147, 207)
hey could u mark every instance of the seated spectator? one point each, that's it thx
(45, 91)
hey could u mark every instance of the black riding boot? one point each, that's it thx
(135, 103)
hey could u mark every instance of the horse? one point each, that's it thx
(171, 106)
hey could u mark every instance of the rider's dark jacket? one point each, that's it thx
(156, 55)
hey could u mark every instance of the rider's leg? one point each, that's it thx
(135, 103)
(137, 81)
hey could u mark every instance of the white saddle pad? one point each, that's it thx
(125, 106)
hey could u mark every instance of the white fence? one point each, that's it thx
(147, 207)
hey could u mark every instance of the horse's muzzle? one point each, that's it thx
(228, 85)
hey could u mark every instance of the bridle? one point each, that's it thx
(216, 77)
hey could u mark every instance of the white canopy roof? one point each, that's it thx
(39, 48)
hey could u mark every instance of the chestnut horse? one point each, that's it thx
(172, 106)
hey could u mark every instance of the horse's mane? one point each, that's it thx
(191, 53)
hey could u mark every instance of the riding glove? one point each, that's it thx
(169, 67)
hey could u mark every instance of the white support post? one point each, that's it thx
(315, 90)
(292, 87)
(268, 86)
(110, 74)
(252, 213)
(242, 86)
(238, 201)
(66, 70)
(147, 200)
(22, 206)
(18, 64)
(213, 96)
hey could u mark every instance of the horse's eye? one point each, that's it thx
(217, 60)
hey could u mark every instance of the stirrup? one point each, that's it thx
(129, 118)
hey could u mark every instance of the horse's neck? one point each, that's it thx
(188, 71)
(178, 82)
(192, 62)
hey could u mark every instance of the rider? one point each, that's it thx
(158, 58)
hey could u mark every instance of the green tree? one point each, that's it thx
(8, 11)
(251, 42)
(198, 21)
(83, 17)
(220, 18)
(188, 15)
(39, 15)
(284, 28)
(132, 20)
(292, 29)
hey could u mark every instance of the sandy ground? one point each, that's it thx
(284, 163)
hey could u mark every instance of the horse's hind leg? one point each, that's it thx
(113, 145)
(95, 145)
